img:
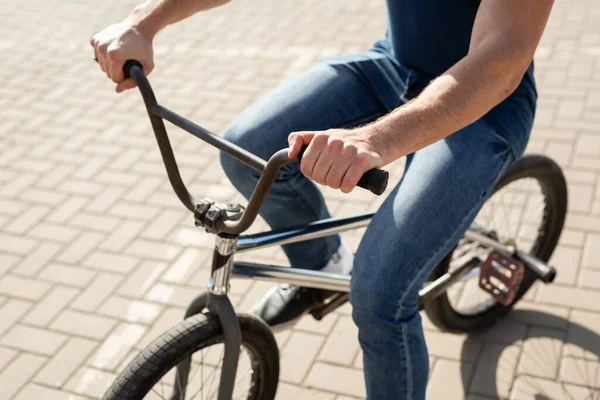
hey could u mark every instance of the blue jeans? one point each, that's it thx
(444, 186)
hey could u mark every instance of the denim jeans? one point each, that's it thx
(443, 187)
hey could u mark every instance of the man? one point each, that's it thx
(451, 88)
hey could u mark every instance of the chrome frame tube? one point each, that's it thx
(311, 231)
(475, 236)
(293, 276)
(222, 265)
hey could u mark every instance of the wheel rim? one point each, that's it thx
(205, 373)
(517, 214)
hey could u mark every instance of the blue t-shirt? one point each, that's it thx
(431, 36)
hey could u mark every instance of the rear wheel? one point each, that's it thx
(527, 210)
(151, 375)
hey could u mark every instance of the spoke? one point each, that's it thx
(208, 377)
(162, 389)
(158, 394)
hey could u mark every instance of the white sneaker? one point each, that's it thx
(340, 262)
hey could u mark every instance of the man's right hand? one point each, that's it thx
(118, 43)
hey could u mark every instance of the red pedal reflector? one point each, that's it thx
(501, 276)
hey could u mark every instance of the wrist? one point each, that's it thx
(377, 138)
(144, 20)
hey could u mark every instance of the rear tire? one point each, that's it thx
(188, 337)
(551, 180)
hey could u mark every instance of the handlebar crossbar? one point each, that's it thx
(374, 180)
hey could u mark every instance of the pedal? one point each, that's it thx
(335, 302)
(501, 276)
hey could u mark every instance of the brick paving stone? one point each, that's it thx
(572, 297)
(130, 310)
(566, 260)
(172, 295)
(121, 237)
(23, 288)
(111, 262)
(90, 382)
(186, 264)
(338, 379)
(141, 279)
(6, 356)
(35, 340)
(37, 259)
(448, 379)
(527, 387)
(452, 346)
(580, 372)
(591, 252)
(83, 324)
(495, 370)
(11, 312)
(116, 346)
(53, 303)
(341, 345)
(18, 373)
(101, 287)
(582, 335)
(154, 250)
(67, 275)
(298, 355)
(62, 365)
(286, 391)
(541, 354)
(33, 391)
(78, 249)
(15, 244)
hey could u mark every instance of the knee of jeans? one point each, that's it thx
(235, 170)
(371, 304)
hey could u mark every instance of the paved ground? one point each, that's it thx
(97, 256)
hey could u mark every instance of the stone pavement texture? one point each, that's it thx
(97, 256)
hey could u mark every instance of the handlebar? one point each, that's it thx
(374, 180)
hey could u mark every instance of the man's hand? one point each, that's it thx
(115, 45)
(336, 158)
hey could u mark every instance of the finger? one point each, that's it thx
(295, 144)
(93, 39)
(115, 70)
(296, 140)
(338, 169)
(312, 154)
(328, 157)
(356, 170)
(125, 84)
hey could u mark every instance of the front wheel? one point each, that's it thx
(527, 210)
(151, 375)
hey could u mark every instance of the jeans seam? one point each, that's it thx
(401, 307)
(409, 382)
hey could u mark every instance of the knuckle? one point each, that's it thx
(102, 47)
(320, 138)
(305, 169)
(333, 182)
(112, 53)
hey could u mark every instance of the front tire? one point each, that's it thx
(150, 375)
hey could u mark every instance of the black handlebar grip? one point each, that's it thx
(374, 180)
(540, 269)
(130, 64)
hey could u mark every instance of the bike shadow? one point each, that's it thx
(532, 354)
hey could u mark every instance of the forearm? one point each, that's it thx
(153, 15)
(454, 100)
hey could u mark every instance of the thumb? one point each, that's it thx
(125, 84)
(296, 140)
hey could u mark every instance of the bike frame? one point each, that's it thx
(229, 241)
